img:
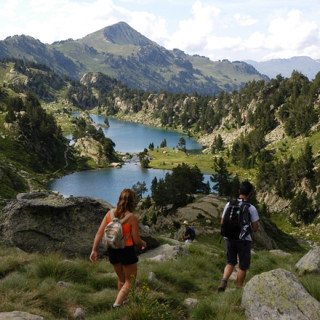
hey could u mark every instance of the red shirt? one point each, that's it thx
(126, 228)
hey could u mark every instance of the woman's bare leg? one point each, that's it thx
(118, 268)
(130, 272)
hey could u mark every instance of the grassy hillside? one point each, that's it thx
(261, 136)
(29, 282)
(32, 147)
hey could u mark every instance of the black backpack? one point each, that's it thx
(237, 220)
(192, 233)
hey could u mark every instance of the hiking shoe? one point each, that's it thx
(223, 285)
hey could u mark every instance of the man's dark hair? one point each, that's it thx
(245, 188)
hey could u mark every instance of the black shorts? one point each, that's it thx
(124, 256)
(239, 249)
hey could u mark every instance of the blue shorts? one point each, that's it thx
(125, 256)
(238, 249)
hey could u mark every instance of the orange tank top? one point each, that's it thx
(126, 228)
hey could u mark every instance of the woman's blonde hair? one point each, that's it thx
(126, 202)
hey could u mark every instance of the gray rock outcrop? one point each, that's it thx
(310, 262)
(262, 237)
(164, 252)
(88, 147)
(204, 214)
(19, 315)
(43, 222)
(278, 295)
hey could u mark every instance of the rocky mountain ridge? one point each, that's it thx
(306, 65)
(122, 53)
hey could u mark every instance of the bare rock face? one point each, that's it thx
(204, 214)
(164, 252)
(19, 315)
(310, 262)
(42, 222)
(263, 239)
(278, 294)
(89, 147)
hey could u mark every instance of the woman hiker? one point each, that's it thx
(125, 260)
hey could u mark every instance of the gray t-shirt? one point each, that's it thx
(253, 213)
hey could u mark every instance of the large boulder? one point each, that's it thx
(278, 294)
(19, 315)
(310, 262)
(263, 239)
(165, 252)
(43, 222)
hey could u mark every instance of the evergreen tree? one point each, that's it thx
(163, 143)
(221, 177)
(182, 144)
(177, 187)
(139, 188)
(146, 203)
(108, 148)
(301, 206)
(151, 146)
(217, 144)
(306, 162)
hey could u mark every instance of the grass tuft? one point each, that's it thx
(30, 283)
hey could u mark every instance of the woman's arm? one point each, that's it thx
(135, 232)
(97, 238)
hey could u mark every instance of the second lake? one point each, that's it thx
(107, 183)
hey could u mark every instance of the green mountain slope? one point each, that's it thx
(267, 131)
(27, 48)
(124, 54)
(33, 105)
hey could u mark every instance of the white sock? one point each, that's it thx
(116, 305)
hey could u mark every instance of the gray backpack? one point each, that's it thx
(113, 233)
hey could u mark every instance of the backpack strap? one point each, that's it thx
(247, 204)
(123, 220)
(112, 214)
(126, 218)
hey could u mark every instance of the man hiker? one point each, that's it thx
(239, 246)
(189, 234)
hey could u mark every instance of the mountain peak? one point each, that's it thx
(121, 33)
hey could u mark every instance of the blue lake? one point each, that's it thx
(133, 137)
(107, 184)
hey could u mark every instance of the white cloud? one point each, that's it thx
(152, 26)
(193, 32)
(291, 36)
(244, 20)
(58, 19)
(291, 32)
(8, 8)
(252, 29)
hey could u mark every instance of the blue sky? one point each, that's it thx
(219, 29)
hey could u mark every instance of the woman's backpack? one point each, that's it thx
(113, 233)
